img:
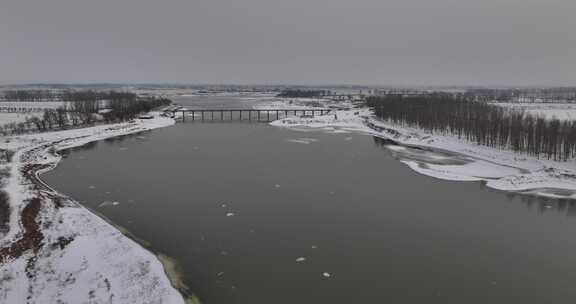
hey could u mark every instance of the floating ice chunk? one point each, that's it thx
(223, 205)
(303, 140)
(91, 187)
(230, 214)
(108, 203)
(326, 275)
(314, 246)
(300, 259)
(277, 186)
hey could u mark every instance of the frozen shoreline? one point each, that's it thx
(449, 158)
(64, 252)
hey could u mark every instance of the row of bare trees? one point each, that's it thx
(296, 93)
(29, 95)
(120, 107)
(62, 95)
(480, 122)
(523, 94)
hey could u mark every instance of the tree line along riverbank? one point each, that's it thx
(480, 122)
(80, 109)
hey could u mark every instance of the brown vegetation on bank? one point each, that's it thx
(32, 237)
(4, 213)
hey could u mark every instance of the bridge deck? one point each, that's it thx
(244, 114)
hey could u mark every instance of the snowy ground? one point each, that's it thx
(301, 103)
(56, 251)
(6, 118)
(32, 104)
(562, 111)
(449, 158)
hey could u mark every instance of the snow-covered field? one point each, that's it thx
(6, 118)
(56, 251)
(301, 103)
(562, 111)
(32, 104)
(449, 158)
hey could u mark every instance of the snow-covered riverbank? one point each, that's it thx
(450, 158)
(56, 251)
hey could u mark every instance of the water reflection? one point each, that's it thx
(532, 199)
(382, 231)
(86, 147)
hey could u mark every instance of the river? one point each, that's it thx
(258, 214)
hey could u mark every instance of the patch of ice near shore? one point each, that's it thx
(303, 140)
(109, 203)
(97, 263)
(500, 169)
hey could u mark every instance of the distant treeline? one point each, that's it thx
(485, 124)
(62, 95)
(121, 107)
(303, 93)
(524, 94)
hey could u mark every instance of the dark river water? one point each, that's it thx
(239, 205)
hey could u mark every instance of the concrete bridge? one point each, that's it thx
(264, 115)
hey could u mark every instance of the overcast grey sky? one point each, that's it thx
(383, 42)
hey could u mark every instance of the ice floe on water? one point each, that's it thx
(341, 131)
(552, 193)
(449, 166)
(449, 157)
(302, 140)
(79, 257)
(108, 204)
